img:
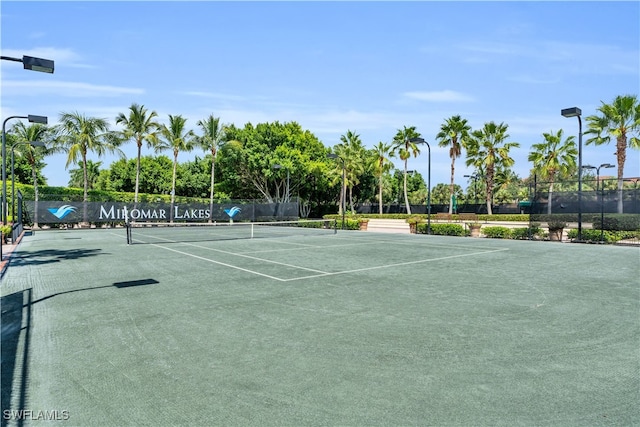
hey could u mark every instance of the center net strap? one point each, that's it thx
(177, 232)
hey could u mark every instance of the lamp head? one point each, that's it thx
(571, 112)
(38, 64)
(37, 119)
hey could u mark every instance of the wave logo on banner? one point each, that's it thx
(233, 211)
(62, 211)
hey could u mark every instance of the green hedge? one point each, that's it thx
(442, 229)
(590, 235)
(524, 232)
(497, 232)
(455, 217)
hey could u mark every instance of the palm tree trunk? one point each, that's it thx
(135, 197)
(550, 198)
(35, 192)
(213, 180)
(621, 155)
(173, 184)
(85, 218)
(351, 200)
(380, 195)
(406, 197)
(451, 187)
(489, 190)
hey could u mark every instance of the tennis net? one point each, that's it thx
(182, 232)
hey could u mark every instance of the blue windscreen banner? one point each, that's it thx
(117, 212)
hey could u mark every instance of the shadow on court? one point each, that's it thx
(48, 256)
(14, 307)
(15, 321)
(119, 285)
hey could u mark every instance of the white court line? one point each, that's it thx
(377, 267)
(255, 258)
(220, 263)
(310, 247)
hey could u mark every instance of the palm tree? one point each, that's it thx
(381, 163)
(78, 135)
(403, 146)
(175, 138)
(33, 155)
(76, 176)
(213, 135)
(554, 157)
(620, 119)
(453, 133)
(141, 127)
(354, 153)
(487, 150)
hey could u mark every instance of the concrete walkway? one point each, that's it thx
(7, 252)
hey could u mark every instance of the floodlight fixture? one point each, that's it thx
(34, 64)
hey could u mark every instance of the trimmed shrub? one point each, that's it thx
(497, 232)
(609, 236)
(524, 232)
(619, 222)
(442, 229)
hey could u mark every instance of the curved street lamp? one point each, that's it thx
(32, 119)
(576, 112)
(342, 190)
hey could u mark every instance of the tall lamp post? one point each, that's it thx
(422, 141)
(597, 168)
(342, 190)
(576, 112)
(32, 119)
(13, 176)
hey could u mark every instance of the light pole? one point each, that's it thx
(280, 167)
(576, 112)
(597, 168)
(422, 141)
(342, 190)
(34, 64)
(32, 119)
(13, 176)
(474, 178)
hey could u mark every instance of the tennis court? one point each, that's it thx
(348, 328)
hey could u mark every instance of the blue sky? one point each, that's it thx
(369, 67)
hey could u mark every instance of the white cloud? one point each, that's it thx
(213, 95)
(439, 96)
(65, 89)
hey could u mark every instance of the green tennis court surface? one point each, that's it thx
(347, 329)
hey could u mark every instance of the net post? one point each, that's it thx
(125, 214)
